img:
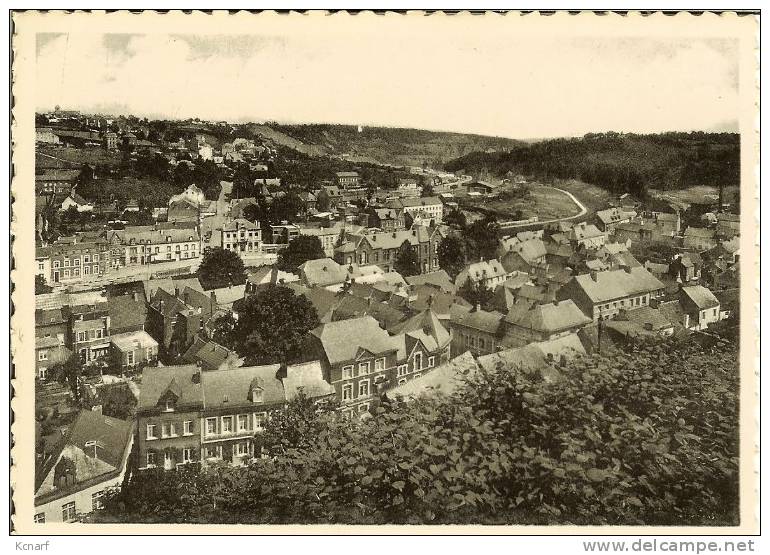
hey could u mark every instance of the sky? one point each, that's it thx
(508, 86)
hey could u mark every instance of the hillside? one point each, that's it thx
(385, 145)
(619, 162)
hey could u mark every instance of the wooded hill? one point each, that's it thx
(619, 162)
(387, 145)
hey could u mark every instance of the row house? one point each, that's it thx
(424, 210)
(478, 331)
(489, 273)
(236, 404)
(140, 245)
(361, 360)
(240, 235)
(381, 248)
(530, 322)
(329, 236)
(89, 328)
(347, 180)
(700, 306)
(607, 220)
(131, 350)
(168, 417)
(77, 258)
(604, 294)
(56, 182)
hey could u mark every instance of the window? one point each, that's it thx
(241, 448)
(187, 455)
(96, 500)
(418, 360)
(42, 355)
(167, 430)
(81, 336)
(417, 375)
(151, 458)
(259, 420)
(347, 392)
(363, 388)
(227, 424)
(76, 262)
(363, 407)
(55, 263)
(402, 370)
(187, 427)
(363, 369)
(243, 422)
(211, 426)
(40, 518)
(402, 381)
(68, 511)
(379, 364)
(431, 362)
(151, 431)
(169, 405)
(86, 270)
(66, 273)
(130, 358)
(347, 372)
(86, 259)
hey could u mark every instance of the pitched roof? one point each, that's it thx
(613, 215)
(419, 201)
(616, 284)
(351, 306)
(112, 438)
(587, 231)
(477, 271)
(209, 354)
(155, 382)
(323, 300)
(347, 174)
(322, 272)
(426, 322)
(699, 232)
(231, 387)
(702, 297)
(549, 317)
(342, 340)
(489, 322)
(265, 275)
(307, 378)
(125, 312)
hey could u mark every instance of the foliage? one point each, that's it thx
(620, 163)
(118, 402)
(406, 262)
(477, 294)
(222, 330)
(286, 208)
(69, 374)
(272, 326)
(483, 237)
(451, 255)
(607, 443)
(298, 426)
(455, 218)
(220, 268)
(298, 251)
(41, 286)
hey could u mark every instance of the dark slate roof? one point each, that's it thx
(155, 382)
(125, 312)
(231, 387)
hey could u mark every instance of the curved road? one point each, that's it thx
(583, 211)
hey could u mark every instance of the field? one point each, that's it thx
(78, 156)
(702, 194)
(544, 201)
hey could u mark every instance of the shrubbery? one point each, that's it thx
(648, 436)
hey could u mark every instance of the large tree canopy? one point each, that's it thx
(298, 251)
(647, 436)
(406, 262)
(272, 325)
(451, 255)
(221, 268)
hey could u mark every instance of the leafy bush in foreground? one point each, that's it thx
(642, 437)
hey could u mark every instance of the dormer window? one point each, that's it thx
(169, 405)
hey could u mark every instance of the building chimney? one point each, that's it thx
(135, 296)
(594, 275)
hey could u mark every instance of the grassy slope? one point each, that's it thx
(387, 145)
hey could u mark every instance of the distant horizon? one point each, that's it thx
(160, 117)
(510, 86)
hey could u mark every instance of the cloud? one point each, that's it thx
(508, 86)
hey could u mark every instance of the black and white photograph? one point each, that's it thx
(397, 271)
